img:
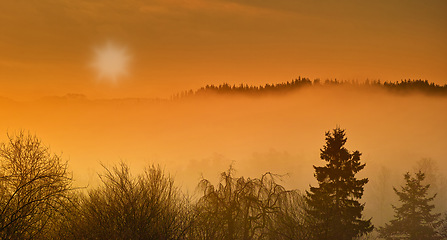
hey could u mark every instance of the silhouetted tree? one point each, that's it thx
(333, 209)
(413, 220)
(124, 207)
(240, 208)
(290, 219)
(34, 188)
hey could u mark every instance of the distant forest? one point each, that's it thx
(404, 86)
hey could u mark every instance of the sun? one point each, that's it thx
(111, 61)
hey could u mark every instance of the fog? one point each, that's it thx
(202, 136)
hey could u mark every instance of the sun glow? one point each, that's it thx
(111, 61)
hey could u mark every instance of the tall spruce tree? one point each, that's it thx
(413, 220)
(333, 210)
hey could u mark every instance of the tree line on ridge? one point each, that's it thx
(404, 86)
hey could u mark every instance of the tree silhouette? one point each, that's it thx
(124, 207)
(34, 188)
(245, 208)
(289, 221)
(413, 220)
(333, 210)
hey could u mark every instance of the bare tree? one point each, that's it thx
(34, 185)
(242, 208)
(289, 222)
(148, 206)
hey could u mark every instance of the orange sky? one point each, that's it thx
(46, 45)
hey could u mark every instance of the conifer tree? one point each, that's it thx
(333, 210)
(413, 220)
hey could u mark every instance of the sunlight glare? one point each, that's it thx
(111, 61)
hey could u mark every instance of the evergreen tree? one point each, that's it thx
(333, 210)
(413, 220)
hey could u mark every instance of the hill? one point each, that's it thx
(402, 87)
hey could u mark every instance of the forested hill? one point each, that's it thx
(404, 86)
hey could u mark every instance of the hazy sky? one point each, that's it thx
(47, 46)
